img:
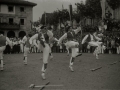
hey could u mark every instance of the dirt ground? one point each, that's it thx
(18, 76)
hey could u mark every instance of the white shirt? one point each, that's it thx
(65, 35)
(85, 38)
(91, 38)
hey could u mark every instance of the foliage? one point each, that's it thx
(63, 16)
(36, 23)
(55, 17)
(80, 12)
(114, 3)
(91, 9)
(48, 18)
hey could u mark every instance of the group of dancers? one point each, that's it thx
(46, 39)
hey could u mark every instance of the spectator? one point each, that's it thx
(118, 44)
(113, 49)
(21, 45)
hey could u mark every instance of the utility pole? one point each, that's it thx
(70, 12)
(60, 22)
(45, 18)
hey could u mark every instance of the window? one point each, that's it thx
(22, 21)
(0, 20)
(0, 8)
(10, 20)
(10, 8)
(21, 9)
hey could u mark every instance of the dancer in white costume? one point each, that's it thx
(71, 44)
(102, 26)
(44, 36)
(99, 36)
(51, 41)
(92, 39)
(21, 45)
(26, 47)
(3, 40)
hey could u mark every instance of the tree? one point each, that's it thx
(91, 9)
(63, 15)
(76, 16)
(56, 17)
(114, 3)
(60, 16)
(47, 18)
(36, 23)
(81, 10)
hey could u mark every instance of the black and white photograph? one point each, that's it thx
(59, 44)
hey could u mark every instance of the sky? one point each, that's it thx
(49, 6)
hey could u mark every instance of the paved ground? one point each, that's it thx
(17, 76)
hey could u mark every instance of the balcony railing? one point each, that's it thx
(6, 26)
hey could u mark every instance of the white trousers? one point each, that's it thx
(46, 51)
(26, 51)
(67, 48)
(102, 49)
(21, 47)
(74, 46)
(118, 50)
(99, 47)
(94, 44)
(1, 55)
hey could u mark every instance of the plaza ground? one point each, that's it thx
(18, 76)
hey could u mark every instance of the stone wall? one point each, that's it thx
(27, 15)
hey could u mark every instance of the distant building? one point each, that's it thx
(15, 17)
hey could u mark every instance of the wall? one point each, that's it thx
(27, 15)
(4, 9)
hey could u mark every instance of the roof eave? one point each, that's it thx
(18, 3)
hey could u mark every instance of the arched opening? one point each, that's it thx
(22, 33)
(11, 34)
(1, 32)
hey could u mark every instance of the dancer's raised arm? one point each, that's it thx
(62, 38)
(84, 39)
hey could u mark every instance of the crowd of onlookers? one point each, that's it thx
(111, 44)
(111, 41)
(15, 46)
(18, 46)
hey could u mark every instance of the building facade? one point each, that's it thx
(15, 17)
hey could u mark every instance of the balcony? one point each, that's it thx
(6, 26)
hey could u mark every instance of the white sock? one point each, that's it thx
(71, 62)
(1, 63)
(44, 67)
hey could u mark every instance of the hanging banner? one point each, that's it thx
(103, 8)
